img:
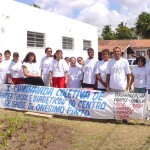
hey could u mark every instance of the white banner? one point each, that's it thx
(73, 102)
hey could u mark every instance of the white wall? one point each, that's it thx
(17, 18)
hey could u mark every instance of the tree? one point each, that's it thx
(107, 33)
(124, 32)
(143, 25)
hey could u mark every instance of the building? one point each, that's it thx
(129, 48)
(25, 28)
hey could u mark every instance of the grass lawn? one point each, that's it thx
(71, 133)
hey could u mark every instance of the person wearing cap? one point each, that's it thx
(15, 72)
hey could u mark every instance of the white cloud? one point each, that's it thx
(97, 12)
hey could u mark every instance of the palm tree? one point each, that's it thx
(107, 33)
(143, 25)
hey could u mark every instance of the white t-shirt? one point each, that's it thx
(89, 71)
(101, 69)
(45, 64)
(58, 67)
(15, 69)
(139, 77)
(118, 69)
(7, 63)
(32, 68)
(74, 77)
(3, 71)
(147, 66)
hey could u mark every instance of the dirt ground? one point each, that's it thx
(25, 134)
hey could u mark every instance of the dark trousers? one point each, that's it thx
(34, 81)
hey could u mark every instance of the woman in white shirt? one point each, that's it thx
(139, 76)
(59, 71)
(15, 72)
(45, 64)
(101, 70)
(3, 70)
(74, 75)
(30, 70)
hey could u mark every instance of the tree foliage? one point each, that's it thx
(143, 25)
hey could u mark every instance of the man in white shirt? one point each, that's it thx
(148, 70)
(118, 73)
(89, 80)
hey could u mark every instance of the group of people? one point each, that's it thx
(110, 75)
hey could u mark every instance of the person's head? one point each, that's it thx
(148, 53)
(80, 60)
(1, 57)
(30, 57)
(58, 54)
(140, 61)
(90, 52)
(117, 53)
(7, 54)
(105, 54)
(67, 59)
(72, 61)
(15, 56)
(48, 51)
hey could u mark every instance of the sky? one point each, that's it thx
(96, 12)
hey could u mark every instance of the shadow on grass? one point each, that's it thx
(112, 121)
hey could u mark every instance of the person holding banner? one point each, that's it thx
(74, 75)
(101, 70)
(44, 66)
(148, 70)
(139, 76)
(118, 73)
(59, 70)
(89, 80)
(3, 70)
(30, 70)
(15, 72)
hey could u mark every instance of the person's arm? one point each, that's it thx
(128, 81)
(98, 78)
(50, 78)
(131, 82)
(28, 74)
(10, 77)
(107, 82)
(66, 77)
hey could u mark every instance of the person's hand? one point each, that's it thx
(66, 81)
(107, 89)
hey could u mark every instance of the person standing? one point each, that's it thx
(139, 76)
(148, 70)
(45, 64)
(74, 75)
(101, 70)
(15, 72)
(118, 73)
(3, 70)
(89, 80)
(59, 70)
(7, 62)
(31, 70)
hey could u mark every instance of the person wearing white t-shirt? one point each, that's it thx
(30, 70)
(139, 75)
(118, 73)
(45, 64)
(15, 72)
(148, 70)
(7, 62)
(59, 71)
(3, 70)
(101, 70)
(89, 80)
(74, 75)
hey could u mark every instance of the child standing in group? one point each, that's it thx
(59, 71)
